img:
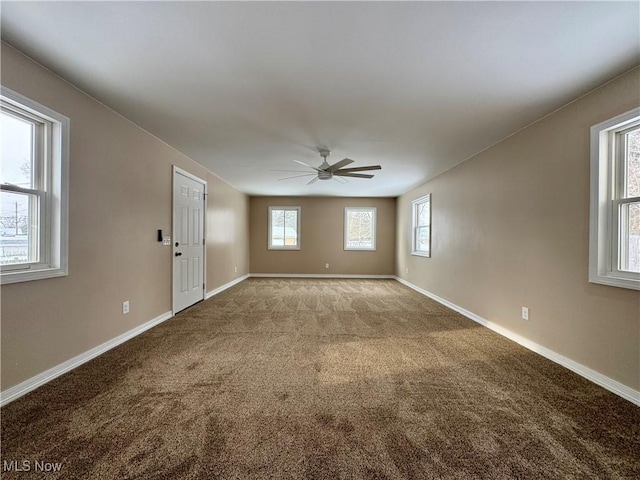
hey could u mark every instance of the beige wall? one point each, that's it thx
(322, 227)
(120, 194)
(511, 229)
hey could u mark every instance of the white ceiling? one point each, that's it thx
(244, 88)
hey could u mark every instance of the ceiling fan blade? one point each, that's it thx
(307, 165)
(340, 179)
(360, 169)
(297, 176)
(342, 163)
(292, 171)
(313, 180)
(357, 175)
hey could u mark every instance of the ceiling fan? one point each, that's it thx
(335, 171)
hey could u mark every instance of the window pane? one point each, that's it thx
(422, 239)
(360, 225)
(284, 228)
(17, 150)
(630, 237)
(632, 168)
(291, 227)
(424, 214)
(277, 227)
(19, 228)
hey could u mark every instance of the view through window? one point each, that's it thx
(360, 228)
(284, 228)
(629, 201)
(421, 213)
(21, 190)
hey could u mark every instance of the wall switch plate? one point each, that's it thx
(406, 270)
(235, 269)
(525, 313)
(326, 265)
(166, 240)
(125, 307)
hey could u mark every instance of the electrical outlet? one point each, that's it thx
(525, 313)
(235, 269)
(125, 307)
(406, 270)
(326, 265)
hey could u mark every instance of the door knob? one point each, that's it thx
(178, 254)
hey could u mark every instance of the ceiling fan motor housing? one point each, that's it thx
(324, 175)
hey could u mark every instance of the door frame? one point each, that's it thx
(193, 177)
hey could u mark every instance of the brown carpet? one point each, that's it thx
(327, 379)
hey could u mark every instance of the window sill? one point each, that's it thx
(17, 276)
(283, 248)
(421, 254)
(612, 281)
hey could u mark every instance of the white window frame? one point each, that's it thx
(284, 247)
(414, 225)
(607, 177)
(52, 174)
(374, 212)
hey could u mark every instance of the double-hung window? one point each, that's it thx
(421, 226)
(614, 244)
(284, 228)
(360, 228)
(33, 190)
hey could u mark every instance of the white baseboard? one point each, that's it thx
(316, 275)
(225, 286)
(613, 386)
(618, 388)
(27, 386)
(12, 393)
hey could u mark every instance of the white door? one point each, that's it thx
(188, 240)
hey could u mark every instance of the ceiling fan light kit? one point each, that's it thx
(336, 171)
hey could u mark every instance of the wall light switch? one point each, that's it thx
(326, 265)
(166, 240)
(525, 313)
(125, 307)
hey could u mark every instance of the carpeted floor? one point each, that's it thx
(326, 379)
